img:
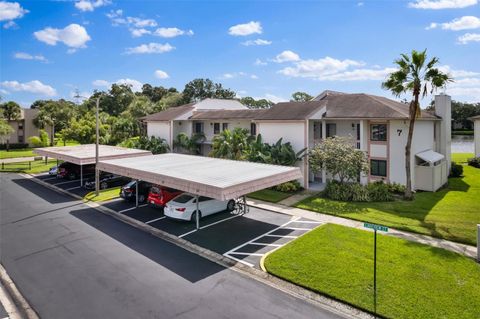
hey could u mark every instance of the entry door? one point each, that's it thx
(317, 130)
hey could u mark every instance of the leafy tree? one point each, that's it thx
(140, 106)
(251, 103)
(123, 128)
(156, 93)
(462, 111)
(414, 75)
(340, 157)
(199, 89)
(5, 130)
(171, 99)
(40, 141)
(11, 111)
(301, 97)
(231, 144)
(113, 102)
(283, 154)
(153, 144)
(82, 129)
(185, 144)
(38, 103)
(55, 114)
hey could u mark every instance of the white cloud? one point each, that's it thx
(463, 23)
(286, 56)
(134, 84)
(457, 73)
(227, 76)
(28, 56)
(11, 11)
(245, 29)
(254, 77)
(35, 86)
(141, 23)
(256, 42)
(116, 17)
(101, 83)
(74, 36)
(469, 37)
(259, 62)
(360, 4)
(331, 69)
(87, 5)
(441, 4)
(161, 74)
(271, 97)
(150, 48)
(10, 25)
(171, 32)
(139, 32)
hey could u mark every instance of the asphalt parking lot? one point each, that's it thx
(242, 237)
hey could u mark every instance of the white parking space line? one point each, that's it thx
(247, 254)
(282, 236)
(307, 222)
(50, 178)
(113, 200)
(208, 225)
(131, 208)
(72, 188)
(61, 183)
(239, 260)
(265, 244)
(154, 220)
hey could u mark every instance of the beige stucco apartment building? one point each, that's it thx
(377, 125)
(24, 127)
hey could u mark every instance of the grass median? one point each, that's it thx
(103, 195)
(269, 195)
(29, 167)
(413, 280)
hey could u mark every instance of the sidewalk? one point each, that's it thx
(467, 250)
(17, 159)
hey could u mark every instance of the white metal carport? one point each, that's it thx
(85, 154)
(202, 176)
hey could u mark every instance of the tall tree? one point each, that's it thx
(251, 103)
(199, 89)
(301, 97)
(55, 114)
(11, 111)
(414, 75)
(5, 130)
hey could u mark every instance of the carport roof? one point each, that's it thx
(205, 176)
(85, 154)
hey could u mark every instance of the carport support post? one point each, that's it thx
(136, 192)
(197, 215)
(81, 175)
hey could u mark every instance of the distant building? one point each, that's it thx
(476, 134)
(24, 127)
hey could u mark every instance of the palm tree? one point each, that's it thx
(419, 77)
(11, 112)
(191, 145)
(231, 144)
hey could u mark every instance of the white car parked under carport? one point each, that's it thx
(184, 206)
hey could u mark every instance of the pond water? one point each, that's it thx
(462, 144)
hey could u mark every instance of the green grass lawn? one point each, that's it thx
(413, 280)
(22, 152)
(269, 195)
(461, 158)
(23, 167)
(103, 195)
(451, 213)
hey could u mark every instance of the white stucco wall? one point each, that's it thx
(160, 129)
(423, 139)
(293, 132)
(477, 137)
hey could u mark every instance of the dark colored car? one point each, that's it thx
(107, 180)
(128, 191)
(160, 195)
(72, 171)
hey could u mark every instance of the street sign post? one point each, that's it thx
(375, 228)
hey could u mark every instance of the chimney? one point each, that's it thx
(443, 129)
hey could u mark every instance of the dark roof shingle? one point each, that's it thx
(170, 113)
(291, 110)
(227, 114)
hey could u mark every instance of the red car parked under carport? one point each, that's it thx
(160, 195)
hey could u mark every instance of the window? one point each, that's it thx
(358, 132)
(216, 128)
(20, 125)
(198, 127)
(21, 139)
(317, 130)
(378, 168)
(378, 132)
(253, 129)
(331, 129)
(224, 126)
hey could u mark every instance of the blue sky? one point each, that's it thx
(257, 48)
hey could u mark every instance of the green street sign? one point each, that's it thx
(376, 227)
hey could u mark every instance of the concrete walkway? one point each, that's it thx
(467, 250)
(291, 200)
(17, 159)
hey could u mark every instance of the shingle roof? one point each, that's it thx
(342, 105)
(291, 110)
(170, 113)
(227, 114)
(476, 117)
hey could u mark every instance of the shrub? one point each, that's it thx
(359, 193)
(14, 146)
(456, 170)
(288, 187)
(396, 188)
(40, 141)
(379, 192)
(475, 162)
(337, 191)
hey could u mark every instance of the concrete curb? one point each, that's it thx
(23, 307)
(311, 297)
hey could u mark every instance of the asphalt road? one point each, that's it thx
(71, 261)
